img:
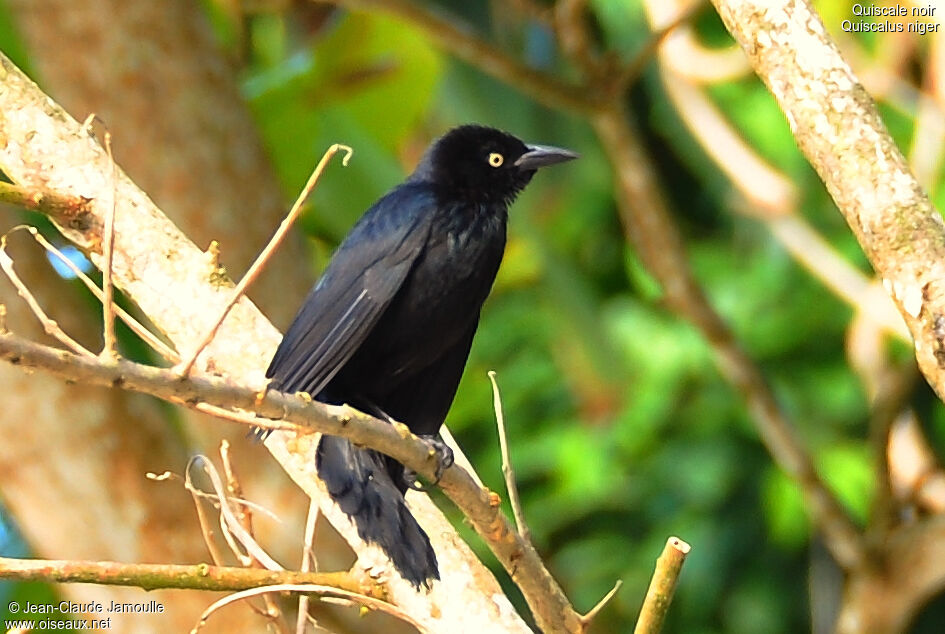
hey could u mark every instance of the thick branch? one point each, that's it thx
(838, 128)
(181, 291)
(648, 225)
(170, 386)
(516, 554)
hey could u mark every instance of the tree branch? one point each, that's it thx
(839, 130)
(172, 282)
(508, 471)
(474, 50)
(516, 554)
(772, 198)
(649, 227)
(46, 202)
(662, 587)
(886, 598)
(153, 576)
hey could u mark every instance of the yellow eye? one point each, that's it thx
(496, 159)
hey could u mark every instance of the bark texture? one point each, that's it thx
(173, 283)
(154, 74)
(838, 128)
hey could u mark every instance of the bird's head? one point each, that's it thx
(484, 164)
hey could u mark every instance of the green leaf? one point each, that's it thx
(784, 509)
(847, 469)
(348, 88)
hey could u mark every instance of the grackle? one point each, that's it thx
(387, 328)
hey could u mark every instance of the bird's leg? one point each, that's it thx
(437, 448)
(439, 451)
(409, 478)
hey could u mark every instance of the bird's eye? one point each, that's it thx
(496, 159)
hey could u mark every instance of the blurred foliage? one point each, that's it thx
(622, 430)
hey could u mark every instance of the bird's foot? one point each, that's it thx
(258, 434)
(410, 479)
(439, 451)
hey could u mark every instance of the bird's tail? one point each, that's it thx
(359, 482)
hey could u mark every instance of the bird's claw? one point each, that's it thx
(440, 452)
(410, 479)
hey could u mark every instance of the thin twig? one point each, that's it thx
(49, 325)
(569, 17)
(460, 41)
(256, 268)
(244, 418)
(366, 601)
(169, 475)
(244, 559)
(232, 525)
(206, 528)
(133, 324)
(240, 512)
(662, 586)
(652, 232)
(507, 471)
(634, 68)
(109, 350)
(235, 489)
(593, 612)
(308, 562)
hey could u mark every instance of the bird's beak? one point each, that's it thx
(542, 155)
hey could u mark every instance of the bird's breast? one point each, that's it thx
(443, 293)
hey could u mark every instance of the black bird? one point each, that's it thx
(387, 328)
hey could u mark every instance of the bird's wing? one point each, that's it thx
(365, 273)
